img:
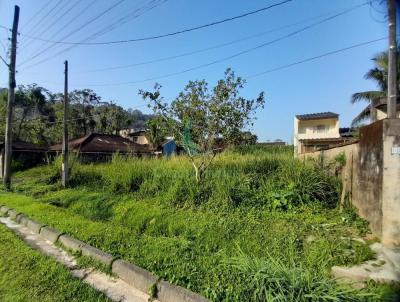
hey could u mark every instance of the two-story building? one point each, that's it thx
(316, 131)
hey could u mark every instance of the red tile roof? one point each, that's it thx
(103, 143)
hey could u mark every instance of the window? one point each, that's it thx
(320, 129)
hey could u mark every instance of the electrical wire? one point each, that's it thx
(101, 32)
(41, 9)
(286, 36)
(34, 27)
(316, 57)
(4, 61)
(118, 67)
(76, 17)
(57, 19)
(77, 29)
(163, 35)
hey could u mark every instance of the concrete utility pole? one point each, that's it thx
(392, 69)
(10, 102)
(65, 165)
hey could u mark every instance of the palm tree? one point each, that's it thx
(379, 75)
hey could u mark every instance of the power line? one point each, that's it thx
(57, 18)
(104, 30)
(37, 13)
(4, 61)
(76, 29)
(315, 58)
(238, 53)
(4, 46)
(292, 64)
(117, 67)
(33, 28)
(306, 60)
(81, 12)
(163, 35)
(129, 17)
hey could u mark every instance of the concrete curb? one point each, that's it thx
(13, 214)
(167, 292)
(19, 218)
(97, 254)
(23, 219)
(50, 234)
(71, 243)
(34, 226)
(4, 210)
(135, 276)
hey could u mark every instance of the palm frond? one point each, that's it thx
(379, 76)
(381, 60)
(361, 117)
(368, 96)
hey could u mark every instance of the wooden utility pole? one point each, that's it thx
(65, 166)
(392, 69)
(10, 102)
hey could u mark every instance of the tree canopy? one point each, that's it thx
(201, 118)
(38, 114)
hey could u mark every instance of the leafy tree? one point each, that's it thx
(39, 114)
(199, 117)
(378, 74)
(156, 130)
(246, 138)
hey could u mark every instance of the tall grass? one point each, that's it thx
(259, 178)
(286, 279)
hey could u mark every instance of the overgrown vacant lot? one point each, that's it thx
(261, 226)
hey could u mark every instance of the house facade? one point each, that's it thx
(316, 131)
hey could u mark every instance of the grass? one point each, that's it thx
(260, 225)
(26, 275)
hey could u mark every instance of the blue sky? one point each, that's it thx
(321, 85)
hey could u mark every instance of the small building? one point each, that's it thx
(98, 147)
(169, 147)
(25, 155)
(139, 137)
(316, 131)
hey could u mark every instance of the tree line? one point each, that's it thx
(38, 115)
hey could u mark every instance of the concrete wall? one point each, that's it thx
(367, 188)
(371, 176)
(391, 182)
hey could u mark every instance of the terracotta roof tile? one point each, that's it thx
(317, 116)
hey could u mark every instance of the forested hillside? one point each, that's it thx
(39, 113)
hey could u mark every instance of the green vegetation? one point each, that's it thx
(26, 275)
(260, 225)
(39, 114)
